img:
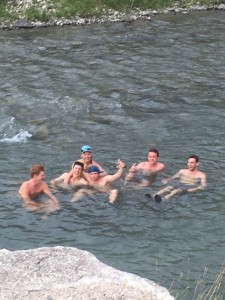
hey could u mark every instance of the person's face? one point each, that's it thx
(94, 176)
(40, 177)
(77, 170)
(86, 156)
(192, 164)
(152, 157)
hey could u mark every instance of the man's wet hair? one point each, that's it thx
(36, 170)
(195, 157)
(78, 163)
(154, 150)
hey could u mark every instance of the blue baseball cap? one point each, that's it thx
(94, 169)
(86, 148)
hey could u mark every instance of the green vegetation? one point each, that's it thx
(34, 14)
(68, 8)
(10, 11)
(204, 288)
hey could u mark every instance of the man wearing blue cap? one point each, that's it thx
(102, 183)
(87, 161)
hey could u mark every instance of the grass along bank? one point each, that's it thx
(204, 288)
(49, 10)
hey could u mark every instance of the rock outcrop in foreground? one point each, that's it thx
(69, 273)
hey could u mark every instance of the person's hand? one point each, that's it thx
(67, 177)
(120, 164)
(133, 168)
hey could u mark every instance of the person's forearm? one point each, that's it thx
(129, 176)
(67, 177)
(53, 198)
(29, 201)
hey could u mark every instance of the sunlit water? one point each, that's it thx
(121, 88)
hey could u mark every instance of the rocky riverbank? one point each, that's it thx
(69, 273)
(20, 7)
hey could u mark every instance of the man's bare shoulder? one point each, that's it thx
(160, 166)
(63, 176)
(183, 172)
(24, 186)
(143, 165)
(201, 175)
(197, 174)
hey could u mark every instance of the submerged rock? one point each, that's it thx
(62, 273)
(39, 133)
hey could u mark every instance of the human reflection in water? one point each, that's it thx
(101, 184)
(145, 172)
(32, 190)
(189, 180)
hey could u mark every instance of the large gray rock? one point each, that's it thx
(62, 273)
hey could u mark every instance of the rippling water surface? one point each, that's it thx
(121, 88)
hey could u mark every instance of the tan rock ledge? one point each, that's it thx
(62, 273)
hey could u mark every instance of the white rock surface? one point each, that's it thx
(62, 273)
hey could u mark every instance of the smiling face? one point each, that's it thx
(192, 164)
(86, 156)
(94, 176)
(152, 157)
(77, 171)
(40, 177)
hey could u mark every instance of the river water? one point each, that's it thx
(121, 88)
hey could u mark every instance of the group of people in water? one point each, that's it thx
(87, 176)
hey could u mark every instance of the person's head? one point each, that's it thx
(193, 161)
(86, 153)
(94, 173)
(37, 171)
(78, 168)
(153, 155)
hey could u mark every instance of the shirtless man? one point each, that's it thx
(192, 179)
(31, 189)
(87, 161)
(147, 169)
(75, 178)
(102, 184)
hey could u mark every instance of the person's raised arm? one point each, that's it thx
(67, 176)
(131, 172)
(54, 182)
(110, 178)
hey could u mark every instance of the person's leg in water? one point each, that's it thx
(113, 194)
(80, 194)
(165, 190)
(157, 196)
(174, 192)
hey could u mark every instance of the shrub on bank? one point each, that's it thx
(46, 10)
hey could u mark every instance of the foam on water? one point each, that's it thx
(21, 137)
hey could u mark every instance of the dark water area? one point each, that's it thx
(122, 88)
